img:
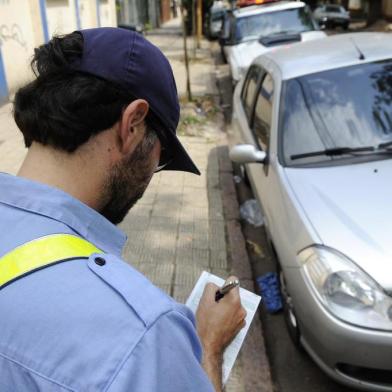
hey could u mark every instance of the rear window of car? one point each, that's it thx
(333, 8)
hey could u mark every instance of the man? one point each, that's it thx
(99, 119)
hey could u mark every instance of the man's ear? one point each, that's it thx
(131, 127)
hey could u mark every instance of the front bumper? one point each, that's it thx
(357, 357)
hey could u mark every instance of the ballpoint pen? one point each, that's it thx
(226, 288)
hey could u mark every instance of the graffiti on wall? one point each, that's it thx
(12, 33)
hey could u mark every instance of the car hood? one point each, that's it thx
(350, 208)
(246, 52)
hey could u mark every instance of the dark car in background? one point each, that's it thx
(332, 15)
(215, 20)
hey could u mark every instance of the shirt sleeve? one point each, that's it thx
(167, 358)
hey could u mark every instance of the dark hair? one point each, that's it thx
(63, 108)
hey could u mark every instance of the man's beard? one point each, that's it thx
(128, 180)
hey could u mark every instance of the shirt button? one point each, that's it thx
(100, 261)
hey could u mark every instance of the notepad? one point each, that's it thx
(250, 302)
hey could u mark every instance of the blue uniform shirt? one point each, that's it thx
(78, 326)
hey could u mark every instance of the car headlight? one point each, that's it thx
(345, 290)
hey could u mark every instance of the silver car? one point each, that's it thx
(252, 31)
(315, 123)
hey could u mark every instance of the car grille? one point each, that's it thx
(374, 376)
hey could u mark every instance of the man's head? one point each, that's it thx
(94, 87)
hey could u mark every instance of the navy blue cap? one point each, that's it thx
(128, 59)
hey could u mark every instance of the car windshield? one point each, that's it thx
(349, 107)
(217, 15)
(333, 8)
(253, 27)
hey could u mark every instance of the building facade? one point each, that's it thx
(150, 13)
(26, 24)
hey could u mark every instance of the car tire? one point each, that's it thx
(346, 26)
(289, 314)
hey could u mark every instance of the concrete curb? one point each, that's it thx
(256, 368)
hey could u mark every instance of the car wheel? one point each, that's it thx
(345, 26)
(289, 311)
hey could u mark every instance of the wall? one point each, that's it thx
(355, 5)
(387, 9)
(20, 32)
(107, 13)
(165, 10)
(22, 28)
(87, 14)
(61, 16)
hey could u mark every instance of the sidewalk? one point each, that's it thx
(185, 224)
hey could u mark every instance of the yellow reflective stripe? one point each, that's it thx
(42, 252)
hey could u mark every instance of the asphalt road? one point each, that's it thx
(292, 369)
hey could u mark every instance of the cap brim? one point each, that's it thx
(181, 160)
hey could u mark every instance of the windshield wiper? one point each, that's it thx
(385, 145)
(333, 152)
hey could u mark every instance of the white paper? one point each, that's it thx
(249, 301)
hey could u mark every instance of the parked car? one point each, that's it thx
(332, 15)
(251, 31)
(315, 121)
(215, 20)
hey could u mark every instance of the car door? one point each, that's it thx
(260, 126)
(252, 121)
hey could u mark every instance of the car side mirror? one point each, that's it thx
(247, 153)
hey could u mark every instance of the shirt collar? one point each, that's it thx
(42, 199)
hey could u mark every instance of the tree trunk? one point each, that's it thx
(375, 11)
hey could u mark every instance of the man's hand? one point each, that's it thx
(217, 324)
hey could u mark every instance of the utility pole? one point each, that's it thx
(188, 79)
(199, 22)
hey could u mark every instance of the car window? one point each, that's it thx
(253, 27)
(345, 107)
(226, 27)
(249, 91)
(333, 8)
(263, 112)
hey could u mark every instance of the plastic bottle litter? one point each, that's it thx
(270, 291)
(250, 211)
